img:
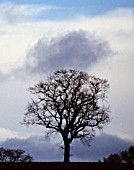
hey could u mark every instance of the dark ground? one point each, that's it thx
(65, 166)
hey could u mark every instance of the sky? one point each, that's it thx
(39, 37)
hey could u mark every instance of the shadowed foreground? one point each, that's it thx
(64, 166)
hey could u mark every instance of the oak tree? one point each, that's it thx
(71, 103)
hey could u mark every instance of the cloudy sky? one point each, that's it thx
(39, 37)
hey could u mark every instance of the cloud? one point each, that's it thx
(19, 36)
(37, 147)
(7, 134)
(101, 146)
(43, 150)
(12, 13)
(75, 49)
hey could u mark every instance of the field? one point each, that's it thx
(64, 166)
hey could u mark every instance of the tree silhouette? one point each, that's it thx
(14, 155)
(123, 157)
(116, 158)
(70, 103)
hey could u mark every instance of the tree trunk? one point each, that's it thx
(66, 151)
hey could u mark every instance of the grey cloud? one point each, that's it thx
(101, 147)
(76, 50)
(37, 147)
(42, 150)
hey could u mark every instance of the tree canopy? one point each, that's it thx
(126, 156)
(70, 103)
(14, 155)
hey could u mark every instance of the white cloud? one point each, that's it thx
(7, 134)
(18, 37)
(18, 29)
(12, 13)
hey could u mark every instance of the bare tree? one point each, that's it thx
(70, 103)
